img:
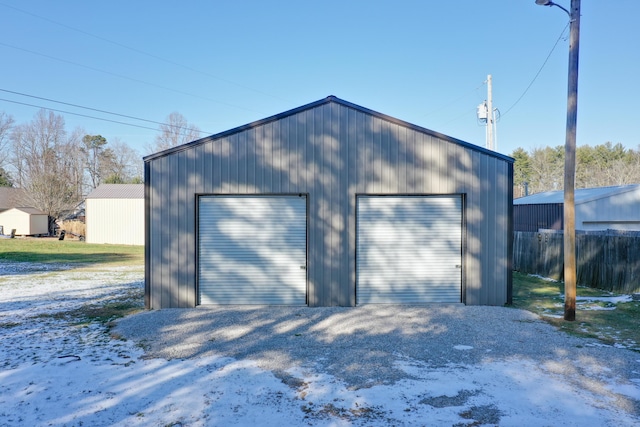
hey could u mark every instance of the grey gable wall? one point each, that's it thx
(331, 150)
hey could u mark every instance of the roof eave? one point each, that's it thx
(315, 104)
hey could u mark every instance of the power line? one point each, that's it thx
(127, 78)
(142, 52)
(84, 115)
(101, 111)
(539, 71)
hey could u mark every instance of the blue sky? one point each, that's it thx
(225, 64)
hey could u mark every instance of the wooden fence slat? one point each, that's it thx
(604, 261)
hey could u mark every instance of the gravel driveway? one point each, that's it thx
(362, 346)
(449, 365)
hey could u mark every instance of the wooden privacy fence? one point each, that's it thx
(605, 260)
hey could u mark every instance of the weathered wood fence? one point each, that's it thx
(605, 260)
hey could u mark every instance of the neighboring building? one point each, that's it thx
(26, 221)
(115, 214)
(12, 198)
(329, 204)
(599, 208)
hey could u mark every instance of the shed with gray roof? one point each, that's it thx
(328, 204)
(26, 221)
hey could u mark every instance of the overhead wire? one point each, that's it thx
(76, 114)
(539, 71)
(91, 117)
(142, 52)
(128, 78)
(98, 110)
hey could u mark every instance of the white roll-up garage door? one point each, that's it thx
(252, 250)
(409, 249)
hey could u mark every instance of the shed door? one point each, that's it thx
(409, 249)
(252, 250)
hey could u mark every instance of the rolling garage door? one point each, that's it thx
(252, 250)
(409, 249)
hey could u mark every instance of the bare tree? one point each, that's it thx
(127, 166)
(6, 123)
(176, 131)
(43, 164)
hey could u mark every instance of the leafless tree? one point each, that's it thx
(6, 123)
(176, 131)
(44, 164)
(127, 164)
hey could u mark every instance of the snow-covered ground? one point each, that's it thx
(60, 370)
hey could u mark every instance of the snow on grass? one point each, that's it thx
(61, 370)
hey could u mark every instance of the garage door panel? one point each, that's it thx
(409, 249)
(252, 250)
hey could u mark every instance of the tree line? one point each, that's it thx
(542, 169)
(57, 168)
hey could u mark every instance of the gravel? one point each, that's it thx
(362, 346)
(370, 365)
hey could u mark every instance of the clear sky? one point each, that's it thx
(225, 64)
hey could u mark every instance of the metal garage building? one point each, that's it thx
(599, 208)
(115, 214)
(329, 204)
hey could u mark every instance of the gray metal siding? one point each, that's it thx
(330, 151)
(534, 217)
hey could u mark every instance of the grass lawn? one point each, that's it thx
(52, 250)
(614, 323)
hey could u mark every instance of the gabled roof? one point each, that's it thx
(11, 197)
(118, 191)
(582, 195)
(27, 210)
(327, 100)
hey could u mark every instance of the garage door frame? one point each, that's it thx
(463, 231)
(199, 196)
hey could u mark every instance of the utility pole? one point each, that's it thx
(570, 168)
(490, 144)
(570, 160)
(485, 114)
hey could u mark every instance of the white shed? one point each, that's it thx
(115, 214)
(26, 221)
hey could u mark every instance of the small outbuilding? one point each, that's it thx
(600, 208)
(114, 213)
(328, 204)
(26, 221)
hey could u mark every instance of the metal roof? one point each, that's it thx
(11, 197)
(582, 195)
(27, 210)
(315, 104)
(117, 191)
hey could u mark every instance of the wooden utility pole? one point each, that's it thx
(570, 160)
(570, 167)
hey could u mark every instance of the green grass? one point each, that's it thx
(48, 250)
(615, 326)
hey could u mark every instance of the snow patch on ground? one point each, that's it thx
(57, 371)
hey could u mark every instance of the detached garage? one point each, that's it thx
(329, 204)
